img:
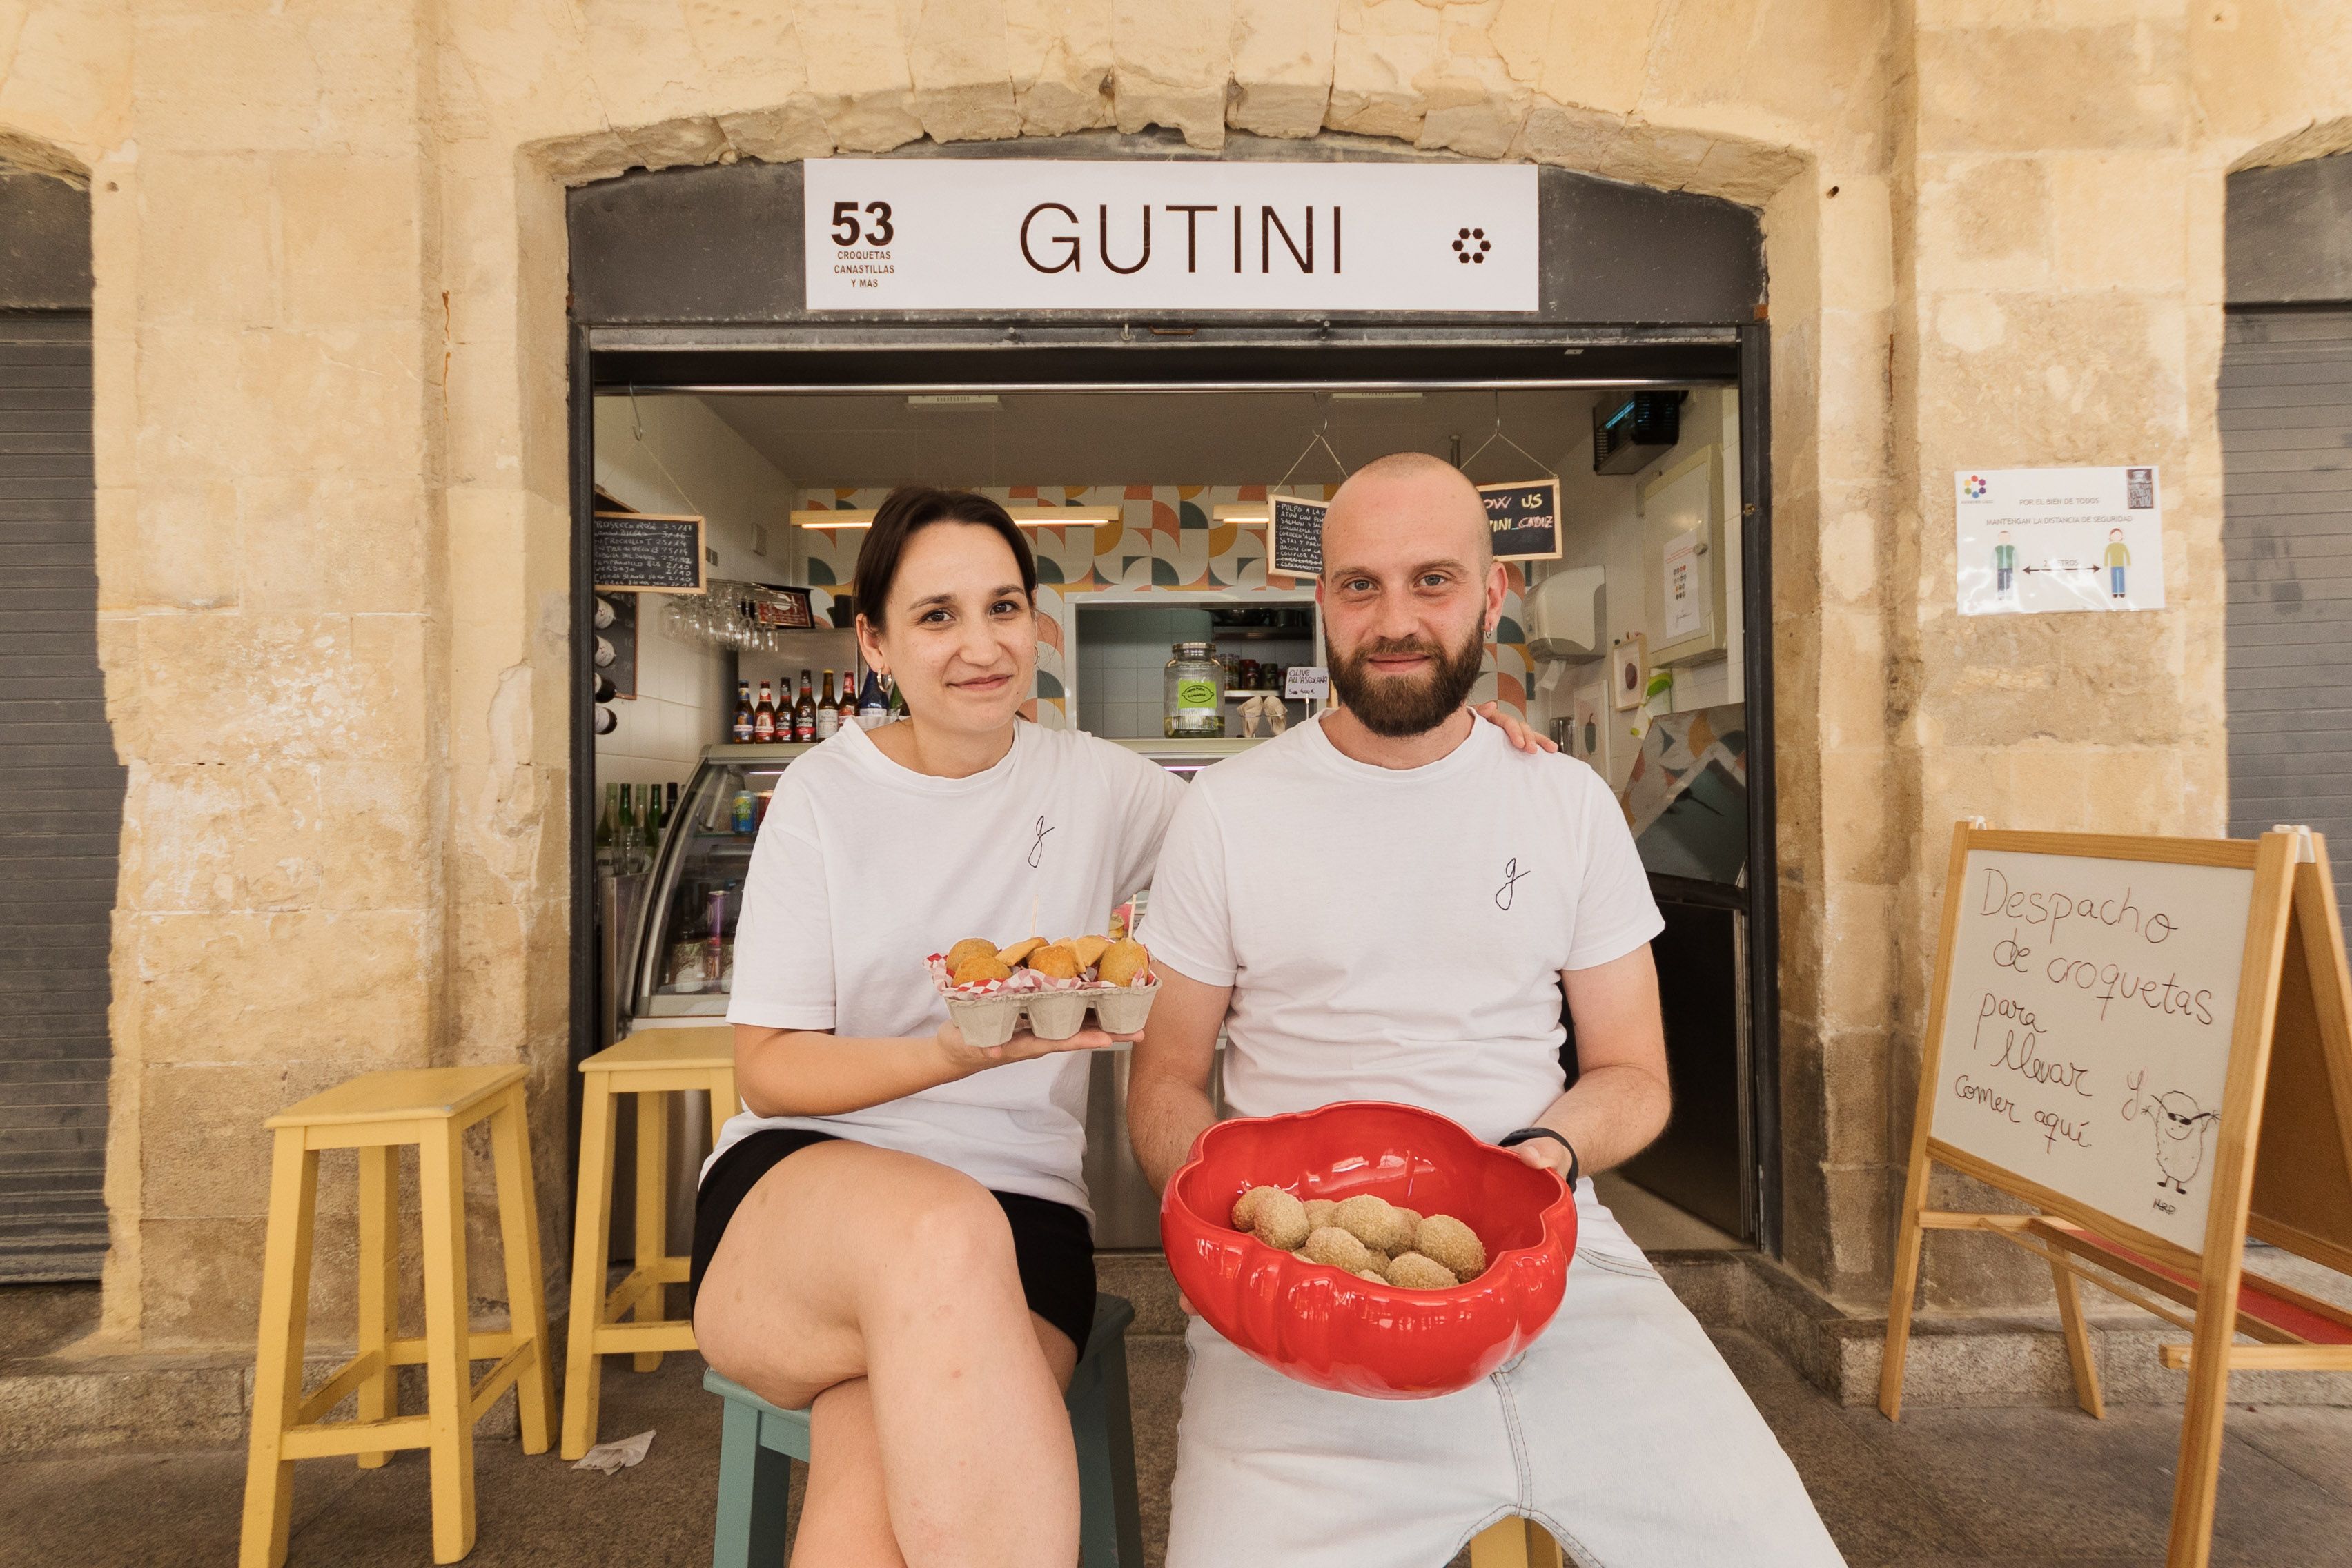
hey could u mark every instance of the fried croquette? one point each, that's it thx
(1414, 1271)
(1411, 1217)
(1089, 949)
(1279, 1220)
(966, 949)
(1319, 1212)
(1123, 962)
(1245, 1207)
(1055, 962)
(1373, 1221)
(1337, 1247)
(980, 968)
(1372, 1275)
(1020, 951)
(1447, 1241)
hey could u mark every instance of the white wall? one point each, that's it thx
(673, 454)
(1601, 528)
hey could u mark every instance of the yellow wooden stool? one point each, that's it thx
(1515, 1543)
(430, 1108)
(650, 1064)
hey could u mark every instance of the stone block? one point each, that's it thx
(857, 56)
(236, 689)
(1384, 51)
(200, 1281)
(781, 134)
(2122, 220)
(748, 55)
(2038, 90)
(1282, 67)
(1596, 58)
(122, 1401)
(1854, 1084)
(1985, 223)
(205, 249)
(168, 546)
(226, 83)
(354, 987)
(1858, 957)
(1058, 56)
(213, 1160)
(367, 381)
(1172, 62)
(2072, 368)
(959, 60)
(332, 543)
(275, 835)
(687, 140)
(349, 238)
(69, 77)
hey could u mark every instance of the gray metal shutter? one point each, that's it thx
(2286, 445)
(60, 810)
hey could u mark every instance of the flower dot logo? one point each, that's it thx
(1976, 488)
(1470, 245)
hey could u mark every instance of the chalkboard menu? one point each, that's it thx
(641, 552)
(1523, 518)
(1294, 536)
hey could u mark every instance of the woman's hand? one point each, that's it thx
(1515, 729)
(969, 1058)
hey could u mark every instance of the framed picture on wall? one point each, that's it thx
(1629, 673)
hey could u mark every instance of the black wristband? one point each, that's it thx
(1575, 1165)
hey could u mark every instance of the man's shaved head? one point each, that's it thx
(1409, 589)
(1408, 484)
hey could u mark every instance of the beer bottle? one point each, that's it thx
(763, 717)
(743, 729)
(804, 712)
(828, 712)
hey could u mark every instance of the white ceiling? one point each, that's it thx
(1145, 438)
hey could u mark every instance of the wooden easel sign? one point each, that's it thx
(2149, 1040)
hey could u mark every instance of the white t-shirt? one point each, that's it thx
(1397, 933)
(863, 867)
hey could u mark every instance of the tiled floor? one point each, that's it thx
(1945, 1489)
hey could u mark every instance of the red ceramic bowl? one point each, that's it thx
(1328, 1328)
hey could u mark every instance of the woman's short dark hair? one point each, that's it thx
(907, 511)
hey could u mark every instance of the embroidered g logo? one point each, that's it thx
(1511, 874)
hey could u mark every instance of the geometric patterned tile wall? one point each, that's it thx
(1167, 539)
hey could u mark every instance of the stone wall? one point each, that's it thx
(332, 462)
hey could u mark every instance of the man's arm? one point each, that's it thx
(1621, 1099)
(1167, 1081)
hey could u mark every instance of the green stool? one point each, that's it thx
(760, 1441)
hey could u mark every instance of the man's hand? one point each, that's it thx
(967, 1059)
(1544, 1155)
(1515, 729)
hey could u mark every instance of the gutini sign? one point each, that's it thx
(1052, 234)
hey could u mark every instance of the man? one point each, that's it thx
(1387, 904)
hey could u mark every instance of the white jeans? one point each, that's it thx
(1620, 1431)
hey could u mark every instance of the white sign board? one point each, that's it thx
(941, 234)
(2036, 540)
(1311, 681)
(1686, 587)
(2087, 1026)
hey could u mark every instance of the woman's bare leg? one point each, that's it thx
(845, 1512)
(846, 1262)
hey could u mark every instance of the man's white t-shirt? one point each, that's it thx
(863, 868)
(1397, 933)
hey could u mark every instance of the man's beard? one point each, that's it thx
(1397, 706)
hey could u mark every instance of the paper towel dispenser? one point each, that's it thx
(1564, 616)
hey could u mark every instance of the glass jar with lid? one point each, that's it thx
(1195, 688)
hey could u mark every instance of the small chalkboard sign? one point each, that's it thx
(1523, 518)
(1294, 536)
(640, 552)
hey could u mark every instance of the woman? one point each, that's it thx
(894, 1230)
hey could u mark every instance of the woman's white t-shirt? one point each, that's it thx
(863, 868)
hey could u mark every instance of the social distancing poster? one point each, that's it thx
(2041, 540)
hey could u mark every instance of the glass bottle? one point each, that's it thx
(803, 713)
(1195, 691)
(743, 728)
(607, 829)
(873, 707)
(763, 717)
(898, 701)
(847, 708)
(828, 711)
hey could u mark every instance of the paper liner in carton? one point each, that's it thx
(1056, 1014)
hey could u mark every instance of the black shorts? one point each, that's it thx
(1052, 1245)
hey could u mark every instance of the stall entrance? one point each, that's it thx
(1160, 440)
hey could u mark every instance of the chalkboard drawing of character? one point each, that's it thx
(2117, 557)
(2004, 566)
(2180, 1130)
